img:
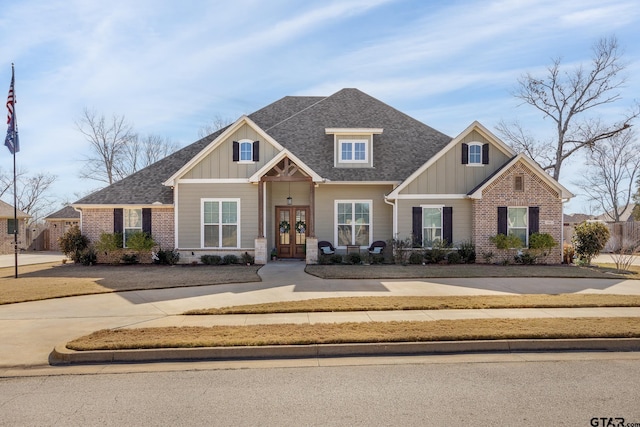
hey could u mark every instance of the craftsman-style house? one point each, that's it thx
(344, 168)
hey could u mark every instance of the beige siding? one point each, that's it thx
(336, 153)
(326, 195)
(461, 217)
(189, 215)
(219, 163)
(449, 176)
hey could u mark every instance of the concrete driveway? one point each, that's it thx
(28, 258)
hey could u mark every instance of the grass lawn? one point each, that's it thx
(55, 280)
(429, 303)
(393, 271)
(323, 333)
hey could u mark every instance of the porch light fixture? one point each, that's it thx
(289, 198)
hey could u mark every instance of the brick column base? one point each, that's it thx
(260, 250)
(312, 250)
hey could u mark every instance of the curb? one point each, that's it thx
(63, 356)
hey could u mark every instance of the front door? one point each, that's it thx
(291, 229)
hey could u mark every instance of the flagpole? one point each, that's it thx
(12, 143)
(15, 210)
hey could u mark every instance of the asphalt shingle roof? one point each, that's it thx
(298, 123)
(65, 213)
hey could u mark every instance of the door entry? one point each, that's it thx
(291, 231)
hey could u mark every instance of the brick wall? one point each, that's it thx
(57, 228)
(98, 221)
(501, 193)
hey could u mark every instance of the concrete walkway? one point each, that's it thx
(29, 331)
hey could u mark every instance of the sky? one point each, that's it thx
(171, 67)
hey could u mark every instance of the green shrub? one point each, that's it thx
(503, 241)
(335, 259)
(542, 241)
(416, 258)
(525, 257)
(109, 242)
(167, 257)
(400, 249)
(454, 257)
(589, 239)
(73, 243)
(140, 242)
(438, 252)
(130, 258)
(324, 259)
(488, 256)
(467, 251)
(211, 259)
(88, 256)
(376, 259)
(230, 259)
(247, 259)
(354, 258)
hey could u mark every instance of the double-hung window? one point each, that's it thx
(475, 154)
(353, 222)
(220, 226)
(431, 225)
(132, 223)
(353, 151)
(517, 223)
(246, 151)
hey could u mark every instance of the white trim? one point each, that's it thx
(362, 182)
(564, 193)
(214, 144)
(202, 224)
(431, 196)
(335, 219)
(526, 232)
(124, 206)
(473, 126)
(353, 131)
(124, 227)
(175, 216)
(440, 208)
(213, 181)
(353, 142)
(240, 143)
(474, 144)
(281, 155)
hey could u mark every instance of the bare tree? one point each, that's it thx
(142, 151)
(32, 192)
(107, 139)
(609, 177)
(567, 97)
(217, 123)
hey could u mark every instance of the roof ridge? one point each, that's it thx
(298, 112)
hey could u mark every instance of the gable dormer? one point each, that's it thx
(353, 147)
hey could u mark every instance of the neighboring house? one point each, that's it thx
(59, 223)
(7, 218)
(627, 214)
(345, 168)
(570, 221)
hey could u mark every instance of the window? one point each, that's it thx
(220, 223)
(246, 151)
(132, 223)
(517, 220)
(353, 151)
(475, 154)
(353, 220)
(11, 226)
(431, 225)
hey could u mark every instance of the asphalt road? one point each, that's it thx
(554, 392)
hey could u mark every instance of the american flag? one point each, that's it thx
(12, 142)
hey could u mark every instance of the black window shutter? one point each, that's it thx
(118, 220)
(256, 151)
(465, 154)
(447, 224)
(236, 151)
(485, 154)
(146, 220)
(502, 220)
(416, 216)
(534, 219)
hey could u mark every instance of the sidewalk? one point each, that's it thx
(29, 331)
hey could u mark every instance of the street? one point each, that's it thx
(568, 389)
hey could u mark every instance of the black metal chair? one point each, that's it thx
(326, 248)
(377, 247)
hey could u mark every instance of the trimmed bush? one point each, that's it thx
(454, 258)
(416, 258)
(335, 259)
(211, 259)
(354, 258)
(376, 259)
(467, 251)
(589, 239)
(247, 259)
(73, 243)
(140, 242)
(230, 259)
(167, 257)
(130, 258)
(88, 256)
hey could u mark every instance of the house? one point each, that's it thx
(345, 168)
(628, 214)
(7, 238)
(59, 223)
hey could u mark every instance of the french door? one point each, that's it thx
(291, 231)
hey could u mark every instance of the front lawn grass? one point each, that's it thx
(429, 303)
(371, 332)
(396, 271)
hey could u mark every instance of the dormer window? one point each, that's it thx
(353, 151)
(475, 154)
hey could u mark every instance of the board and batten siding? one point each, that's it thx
(449, 176)
(219, 163)
(190, 205)
(462, 221)
(326, 195)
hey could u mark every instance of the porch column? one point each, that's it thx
(261, 208)
(312, 210)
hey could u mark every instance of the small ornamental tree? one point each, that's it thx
(589, 239)
(73, 243)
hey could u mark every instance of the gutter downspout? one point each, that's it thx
(395, 215)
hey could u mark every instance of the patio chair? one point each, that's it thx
(326, 248)
(377, 247)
